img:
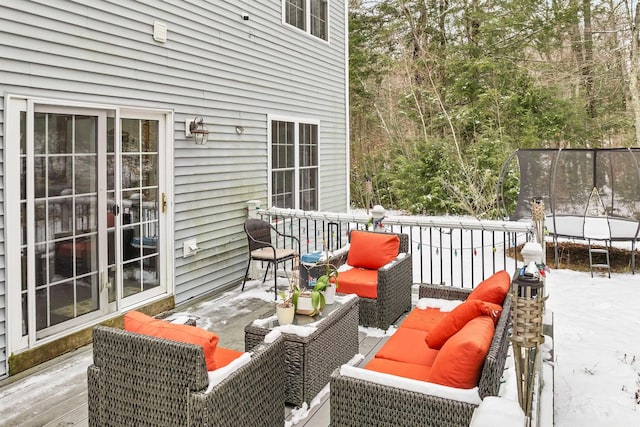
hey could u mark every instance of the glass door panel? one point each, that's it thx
(64, 196)
(140, 196)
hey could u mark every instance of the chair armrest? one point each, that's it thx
(391, 276)
(279, 233)
(255, 392)
(442, 292)
(356, 401)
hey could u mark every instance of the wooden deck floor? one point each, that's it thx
(55, 393)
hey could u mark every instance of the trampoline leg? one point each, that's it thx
(633, 257)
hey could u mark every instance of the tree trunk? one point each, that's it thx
(634, 72)
(587, 66)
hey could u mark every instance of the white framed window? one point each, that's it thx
(294, 164)
(310, 16)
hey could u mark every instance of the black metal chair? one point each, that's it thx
(261, 248)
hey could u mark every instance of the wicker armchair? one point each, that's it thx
(147, 381)
(394, 290)
(359, 402)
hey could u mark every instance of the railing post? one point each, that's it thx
(252, 208)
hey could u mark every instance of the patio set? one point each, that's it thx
(156, 372)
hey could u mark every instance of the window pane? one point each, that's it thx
(59, 135)
(60, 175)
(295, 13)
(149, 135)
(130, 135)
(85, 136)
(308, 145)
(282, 188)
(319, 18)
(85, 174)
(282, 144)
(308, 189)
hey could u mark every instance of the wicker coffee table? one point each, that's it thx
(332, 340)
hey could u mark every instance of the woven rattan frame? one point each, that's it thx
(146, 381)
(311, 360)
(394, 290)
(356, 402)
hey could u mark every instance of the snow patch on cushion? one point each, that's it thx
(461, 395)
(220, 374)
(443, 305)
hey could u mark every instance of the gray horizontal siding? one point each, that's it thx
(214, 64)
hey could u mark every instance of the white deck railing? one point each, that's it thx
(458, 251)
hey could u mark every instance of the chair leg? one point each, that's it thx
(245, 275)
(266, 271)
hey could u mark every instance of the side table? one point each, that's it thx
(310, 359)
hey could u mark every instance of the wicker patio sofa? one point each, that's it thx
(358, 401)
(394, 281)
(147, 381)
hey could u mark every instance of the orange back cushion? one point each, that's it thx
(492, 289)
(455, 320)
(372, 250)
(459, 362)
(140, 323)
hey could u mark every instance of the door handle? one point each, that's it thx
(164, 203)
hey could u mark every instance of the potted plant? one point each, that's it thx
(325, 285)
(313, 301)
(286, 309)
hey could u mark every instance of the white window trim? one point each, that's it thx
(307, 17)
(296, 121)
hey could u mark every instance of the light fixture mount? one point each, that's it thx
(198, 129)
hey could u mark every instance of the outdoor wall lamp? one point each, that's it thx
(198, 129)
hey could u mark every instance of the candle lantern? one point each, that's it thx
(527, 293)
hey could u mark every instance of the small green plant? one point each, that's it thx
(317, 296)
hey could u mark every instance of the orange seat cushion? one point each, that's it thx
(224, 356)
(134, 321)
(363, 283)
(408, 345)
(401, 369)
(423, 320)
(458, 317)
(460, 360)
(492, 289)
(371, 250)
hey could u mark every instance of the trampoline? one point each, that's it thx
(565, 179)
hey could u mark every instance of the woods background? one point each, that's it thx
(442, 92)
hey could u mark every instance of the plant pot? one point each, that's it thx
(305, 306)
(330, 294)
(285, 314)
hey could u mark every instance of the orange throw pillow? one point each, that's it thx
(134, 321)
(492, 289)
(460, 360)
(372, 250)
(455, 320)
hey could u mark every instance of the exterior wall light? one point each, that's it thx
(198, 129)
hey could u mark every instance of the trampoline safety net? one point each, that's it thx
(565, 178)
